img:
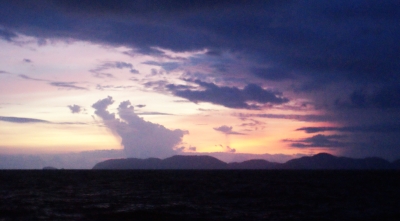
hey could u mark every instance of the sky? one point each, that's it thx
(84, 81)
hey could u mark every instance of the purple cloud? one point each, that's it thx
(75, 108)
(251, 96)
(227, 130)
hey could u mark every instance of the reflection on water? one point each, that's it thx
(199, 195)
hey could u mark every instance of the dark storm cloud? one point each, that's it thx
(272, 74)
(324, 41)
(231, 97)
(319, 47)
(22, 120)
(7, 35)
(385, 97)
(377, 128)
(4, 72)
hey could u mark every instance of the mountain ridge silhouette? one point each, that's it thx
(321, 161)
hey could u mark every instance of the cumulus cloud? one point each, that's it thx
(75, 108)
(251, 96)
(139, 138)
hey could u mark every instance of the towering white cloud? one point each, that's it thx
(140, 138)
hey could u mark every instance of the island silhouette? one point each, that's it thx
(321, 161)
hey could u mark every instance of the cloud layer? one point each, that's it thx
(341, 57)
(252, 96)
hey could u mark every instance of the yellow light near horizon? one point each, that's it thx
(50, 138)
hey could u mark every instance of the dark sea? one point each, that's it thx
(199, 195)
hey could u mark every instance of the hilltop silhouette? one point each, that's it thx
(326, 161)
(322, 161)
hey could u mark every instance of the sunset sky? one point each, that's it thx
(235, 78)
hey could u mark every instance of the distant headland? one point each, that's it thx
(322, 161)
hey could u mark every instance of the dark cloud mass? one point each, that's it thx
(319, 42)
(340, 40)
(386, 97)
(139, 138)
(343, 55)
(250, 97)
(7, 35)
